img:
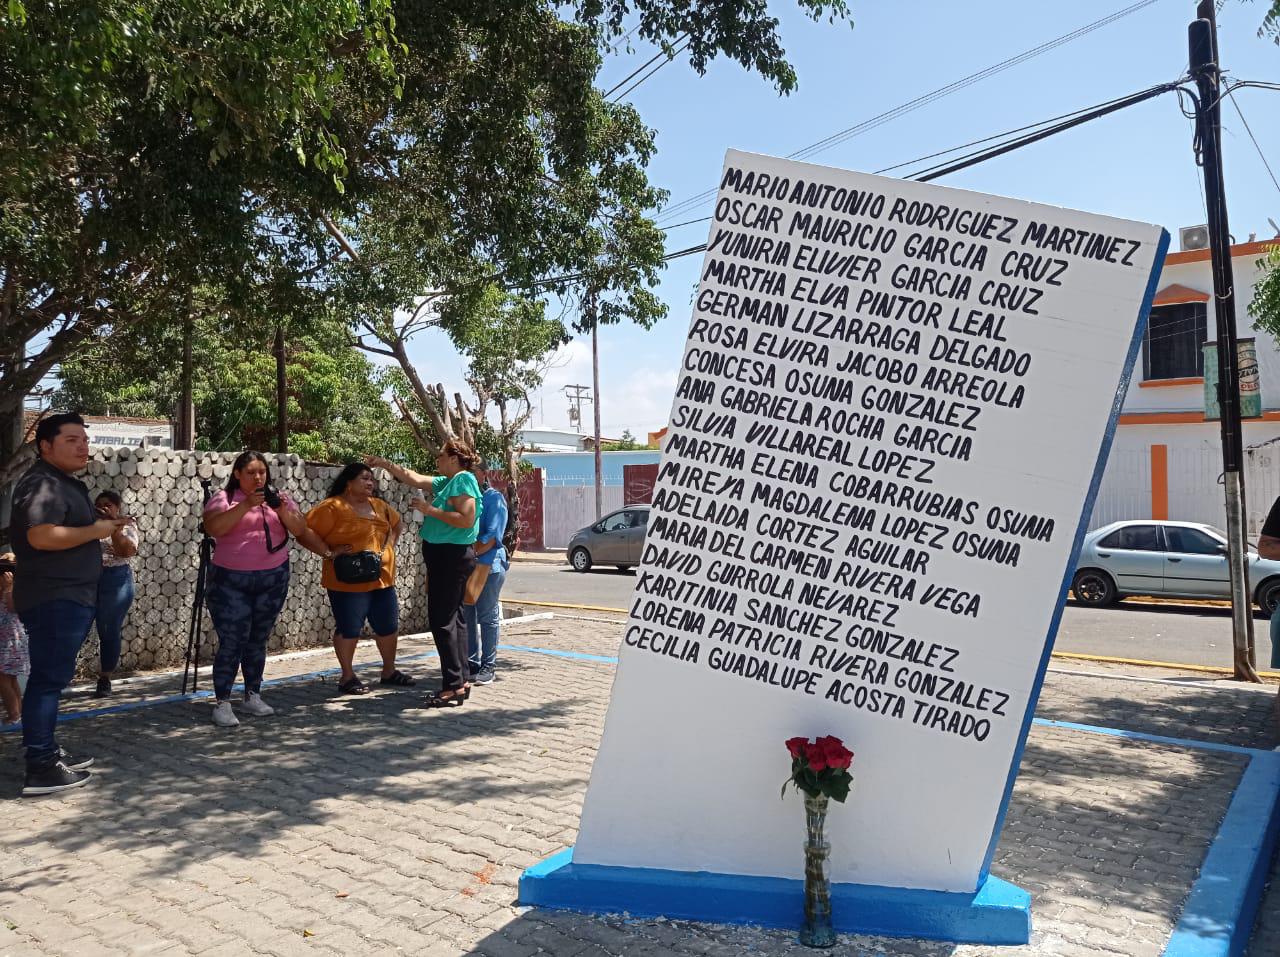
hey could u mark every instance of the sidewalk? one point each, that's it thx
(551, 556)
(353, 825)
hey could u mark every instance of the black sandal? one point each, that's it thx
(398, 679)
(353, 686)
(438, 700)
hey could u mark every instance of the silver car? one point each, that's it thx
(617, 539)
(1173, 559)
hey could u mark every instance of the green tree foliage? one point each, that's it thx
(1265, 306)
(1271, 23)
(144, 145)
(627, 443)
(336, 405)
(450, 145)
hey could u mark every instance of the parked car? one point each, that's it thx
(1171, 559)
(617, 539)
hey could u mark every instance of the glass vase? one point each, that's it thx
(817, 930)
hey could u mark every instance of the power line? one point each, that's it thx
(1101, 110)
(678, 48)
(971, 159)
(1124, 100)
(642, 67)
(1262, 156)
(925, 99)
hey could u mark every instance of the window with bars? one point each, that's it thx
(1172, 347)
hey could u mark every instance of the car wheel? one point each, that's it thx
(1093, 587)
(1269, 596)
(580, 560)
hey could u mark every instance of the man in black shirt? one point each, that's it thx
(56, 534)
(1269, 547)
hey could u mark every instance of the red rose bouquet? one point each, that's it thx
(819, 767)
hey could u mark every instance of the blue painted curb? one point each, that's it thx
(998, 913)
(1218, 917)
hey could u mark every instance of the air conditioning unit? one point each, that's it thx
(1193, 237)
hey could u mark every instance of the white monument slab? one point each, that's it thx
(893, 413)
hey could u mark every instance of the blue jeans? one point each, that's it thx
(1275, 639)
(482, 623)
(55, 631)
(115, 595)
(244, 607)
(351, 609)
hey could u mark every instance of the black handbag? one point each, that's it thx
(360, 568)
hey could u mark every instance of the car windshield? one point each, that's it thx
(1221, 533)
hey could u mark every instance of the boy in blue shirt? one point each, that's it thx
(483, 616)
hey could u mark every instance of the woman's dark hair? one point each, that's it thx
(353, 470)
(243, 459)
(464, 453)
(111, 496)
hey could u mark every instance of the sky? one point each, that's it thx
(1136, 164)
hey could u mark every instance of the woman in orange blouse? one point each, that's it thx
(353, 520)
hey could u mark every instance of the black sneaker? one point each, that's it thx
(75, 764)
(484, 676)
(57, 777)
(104, 688)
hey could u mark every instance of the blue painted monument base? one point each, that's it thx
(997, 913)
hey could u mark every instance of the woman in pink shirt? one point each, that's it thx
(250, 523)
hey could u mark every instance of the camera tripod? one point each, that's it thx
(192, 666)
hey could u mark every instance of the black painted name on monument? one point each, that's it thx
(849, 350)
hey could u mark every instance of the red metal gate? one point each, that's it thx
(525, 522)
(638, 482)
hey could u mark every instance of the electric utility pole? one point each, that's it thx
(595, 405)
(1202, 39)
(577, 395)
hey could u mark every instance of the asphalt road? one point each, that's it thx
(1186, 634)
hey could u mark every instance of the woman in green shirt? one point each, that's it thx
(452, 519)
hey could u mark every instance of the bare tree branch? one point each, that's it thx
(418, 434)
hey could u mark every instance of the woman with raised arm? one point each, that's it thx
(250, 522)
(452, 518)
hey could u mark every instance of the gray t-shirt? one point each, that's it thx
(48, 496)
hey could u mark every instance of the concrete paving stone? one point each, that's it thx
(228, 948)
(93, 947)
(552, 941)
(405, 809)
(496, 945)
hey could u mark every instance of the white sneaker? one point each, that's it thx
(254, 705)
(223, 716)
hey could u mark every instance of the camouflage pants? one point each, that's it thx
(244, 607)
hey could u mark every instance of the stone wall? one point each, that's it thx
(161, 489)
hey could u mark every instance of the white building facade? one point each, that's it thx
(1166, 460)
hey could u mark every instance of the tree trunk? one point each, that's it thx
(511, 471)
(425, 397)
(11, 433)
(282, 394)
(185, 433)
(11, 454)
